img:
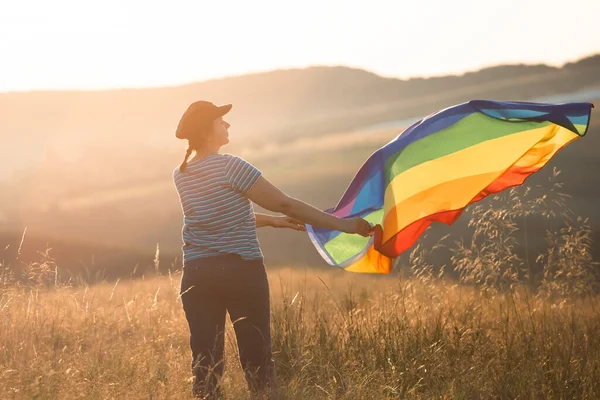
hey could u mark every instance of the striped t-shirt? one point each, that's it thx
(217, 217)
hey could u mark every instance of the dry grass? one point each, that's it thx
(335, 335)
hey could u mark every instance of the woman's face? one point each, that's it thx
(220, 136)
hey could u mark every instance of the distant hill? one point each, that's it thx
(271, 104)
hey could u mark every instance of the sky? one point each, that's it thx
(90, 44)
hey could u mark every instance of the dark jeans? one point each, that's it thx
(211, 287)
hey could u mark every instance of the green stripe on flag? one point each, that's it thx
(467, 132)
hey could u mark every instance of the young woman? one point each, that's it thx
(223, 265)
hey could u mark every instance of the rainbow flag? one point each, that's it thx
(437, 167)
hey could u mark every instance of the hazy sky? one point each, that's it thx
(62, 44)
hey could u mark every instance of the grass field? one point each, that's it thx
(336, 335)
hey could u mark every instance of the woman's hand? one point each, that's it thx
(356, 225)
(287, 222)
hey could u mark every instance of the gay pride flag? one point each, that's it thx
(438, 166)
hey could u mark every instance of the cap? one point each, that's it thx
(199, 113)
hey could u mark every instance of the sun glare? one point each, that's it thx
(68, 44)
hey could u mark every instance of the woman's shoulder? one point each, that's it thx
(228, 156)
(209, 160)
(209, 163)
(232, 159)
(213, 163)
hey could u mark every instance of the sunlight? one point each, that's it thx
(68, 44)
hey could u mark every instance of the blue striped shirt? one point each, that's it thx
(217, 216)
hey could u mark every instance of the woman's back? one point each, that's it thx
(218, 217)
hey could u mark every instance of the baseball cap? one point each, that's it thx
(199, 113)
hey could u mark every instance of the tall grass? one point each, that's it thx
(335, 336)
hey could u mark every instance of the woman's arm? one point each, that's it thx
(266, 195)
(278, 222)
(263, 220)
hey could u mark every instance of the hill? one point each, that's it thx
(281, 103)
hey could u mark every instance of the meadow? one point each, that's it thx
(335, 336)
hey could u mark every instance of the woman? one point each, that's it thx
(223, 264)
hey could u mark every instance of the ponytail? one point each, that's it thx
(194, 143)
(187, 155)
